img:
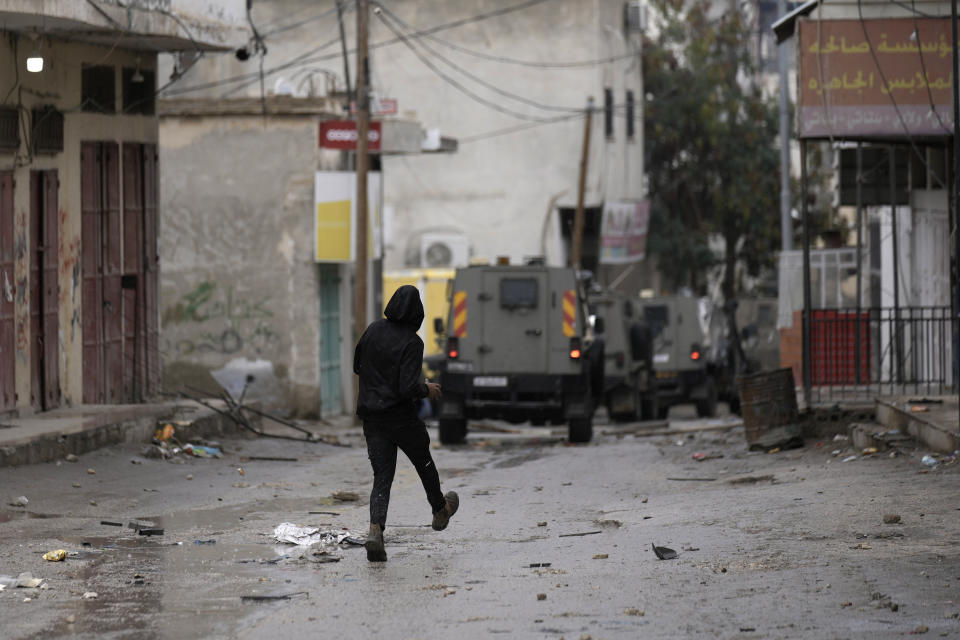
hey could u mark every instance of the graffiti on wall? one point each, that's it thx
(215, 319)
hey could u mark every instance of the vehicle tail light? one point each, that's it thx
(575, 348)
(453, 348)
(695, 352)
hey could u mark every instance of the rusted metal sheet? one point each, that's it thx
(7, 338)
(133, 299)
(112, 274)
(90, 262)
(151, 254)
(44, 291)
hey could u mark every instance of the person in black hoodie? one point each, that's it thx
(388, 360)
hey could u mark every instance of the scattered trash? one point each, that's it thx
(539, 565)
(862, 545)
(269, 459)
(840, 437)
(20, 501)
(200, 451)
(601, 556)
(306, 536)
(145, 528)
(891, 518)
(55, 556)
(542, 523)
(323, 513)
(71, 619)
(240, 485)
(693, 479)
(920, 630)
(92, 472)
(846, 604)
(211, 541)
(164, 433)
(869, 451)
(929, 461)
(700, 457)
(572, 535)
(189, 476)
(836, 452)
(634, 612)
(345, 496)
(70, 458)
(615, 524)
(241, 471)
(541, 596)
(917, 408)
(136, 461)
(774, 450)
(110, 523)
(663, 553)
(27, 599)
(76, 485)
(752, 479)
(24, 581)
(265, 598)
(90, 595)
(849, 458)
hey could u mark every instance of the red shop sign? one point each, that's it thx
(342, 134)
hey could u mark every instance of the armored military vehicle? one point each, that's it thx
(519, 348)
(630, 387)
(692, 360)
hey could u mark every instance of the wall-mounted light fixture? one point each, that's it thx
(137, 76)
(35, 59)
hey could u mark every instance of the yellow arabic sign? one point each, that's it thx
(878, 78)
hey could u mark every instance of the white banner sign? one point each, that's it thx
(623, 232)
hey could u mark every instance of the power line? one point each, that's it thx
(301, 23)
(896, 107)
(478, 80)
(454, 83)
(519, 127)
(923, 68)
(306, 59)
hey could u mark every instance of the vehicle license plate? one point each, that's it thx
(490, 381)
(660, 358)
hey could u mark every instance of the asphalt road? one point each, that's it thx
(551, 541)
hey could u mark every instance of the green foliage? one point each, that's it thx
(710, 134)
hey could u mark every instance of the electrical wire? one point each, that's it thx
(454, 83)
(306, 59)
(893, 101)
(517, 128)
(301, 23)
(923, 68)
(475, 78)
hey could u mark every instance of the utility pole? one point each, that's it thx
(955, 199)
(346, 59)
(786, 221)
(362, 164)
(577, 240)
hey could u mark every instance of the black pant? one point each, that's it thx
(383, 440)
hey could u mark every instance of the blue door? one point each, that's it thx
(331, 401)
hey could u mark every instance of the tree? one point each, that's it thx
(711, 161)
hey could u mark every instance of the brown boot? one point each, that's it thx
(374, 544)
(442, 518)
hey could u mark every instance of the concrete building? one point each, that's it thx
(509, 83)
(78, 192)
(246, 286)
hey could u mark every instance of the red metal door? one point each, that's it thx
(133, 299)
(91, 269)
(151, 269)
(44, 290)
(8, 359)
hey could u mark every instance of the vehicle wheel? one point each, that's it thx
(581, 429)
(707, 407)
(453, 430)
(650, 407)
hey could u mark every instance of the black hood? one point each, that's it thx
(405, 307)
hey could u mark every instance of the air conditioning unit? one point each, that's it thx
(632, 16)
(444, 250)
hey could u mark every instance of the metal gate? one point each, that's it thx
(44, 291)
(331, 401)
(8, 358)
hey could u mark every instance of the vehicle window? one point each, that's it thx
(516, 293)
(658, 317)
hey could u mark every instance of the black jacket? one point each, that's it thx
(388, 359)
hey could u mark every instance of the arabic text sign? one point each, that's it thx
(342, 134)
(855, 76)
(623, 232)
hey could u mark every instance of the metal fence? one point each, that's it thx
(858, 355)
